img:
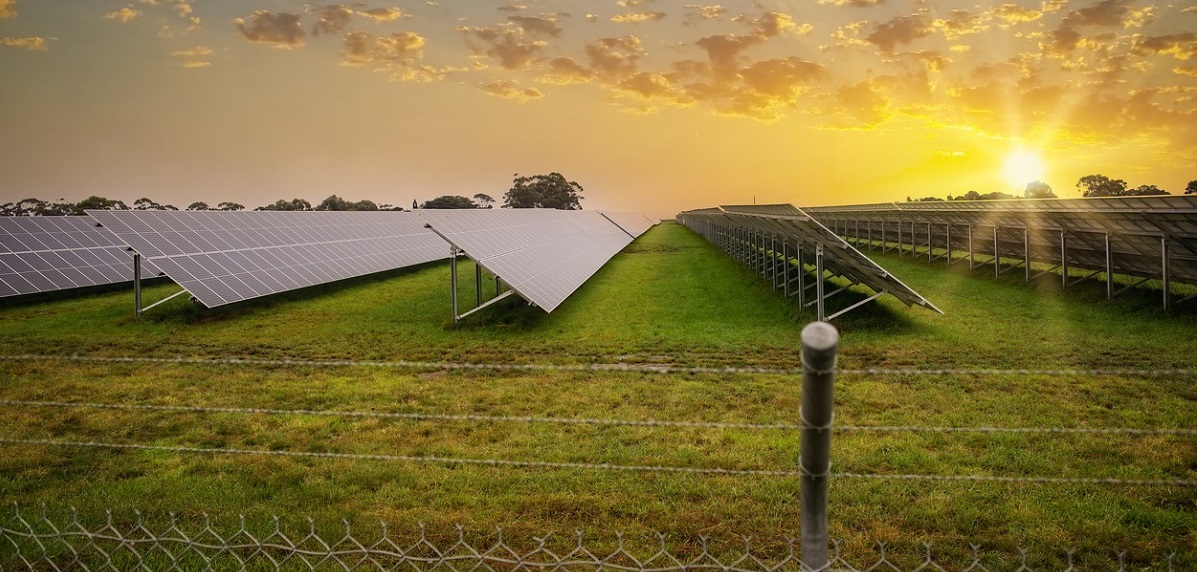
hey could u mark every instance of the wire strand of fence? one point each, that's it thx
(598, 466)
(599, 422)
(611, 367)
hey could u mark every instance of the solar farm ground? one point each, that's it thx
(669, 298)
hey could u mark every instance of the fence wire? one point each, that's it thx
(613, 367)
(43, 542)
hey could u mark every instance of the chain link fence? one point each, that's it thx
(66, 542)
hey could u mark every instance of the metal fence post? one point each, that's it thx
(820, 341)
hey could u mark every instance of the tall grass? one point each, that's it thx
(669, 298)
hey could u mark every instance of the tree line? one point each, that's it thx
(1089, 185)
(550, 191)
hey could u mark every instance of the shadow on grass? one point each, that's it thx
(74, 293)
(196, 313)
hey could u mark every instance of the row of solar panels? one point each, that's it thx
(226, 257)
(778, 234)
(1144, 237)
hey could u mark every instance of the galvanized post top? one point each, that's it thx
(820, 336)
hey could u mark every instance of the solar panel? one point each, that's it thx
(1144, 237)
(770, 238)
(43, 254)
(634, 224)
(544, 255)
(226, 257)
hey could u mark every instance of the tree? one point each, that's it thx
(285, 205)
(145, 204)
(100, 203)
(198, 206)
(333, 203)
(970, 196)
(1191, 189)
(227, 206)
(550, 191)
(928, 200)
(484, 200)
(1039, 190)
(449, 202)
(1145, 190)
(1101, 186)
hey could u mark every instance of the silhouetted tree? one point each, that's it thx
(928, 200)
(484, 200)
(227, 206)
(198, 206)
(1039, 190)
(550, 191)
(100, 203)
(285, 205)
(145, 204)
(1101, 186)
(1191, 189)
(449, 202)
(1144, 191)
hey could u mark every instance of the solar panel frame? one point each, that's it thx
(50, 253)
(226, 257)
(635, 224)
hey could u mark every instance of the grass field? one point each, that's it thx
(669, 298)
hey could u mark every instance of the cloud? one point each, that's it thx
(361, 48)
(647, 85)
(772, 24)
(542, 24)
(1107, 13)
(510, 90)
(636, 18)
(698, 13)
(506, 44)
(32, 43)
(513, 8)
(724, 50)
(614, 57)
(1190, 71)
(331, 19)
(960, 23)
(124, 15)
(782, 77)
(196, 57)
(282, 30)
(847, 36)
(383, 14)
(566, 71)
(1180, 46)
(7, 10)
(632, 3)
(900, 30)
(865, 102)
(1013, 13)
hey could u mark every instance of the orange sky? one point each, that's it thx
(652, 105)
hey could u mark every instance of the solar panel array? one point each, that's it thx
(771, 238)
(1145, 237)
(43, 254)
(226, 257)
(544, 255)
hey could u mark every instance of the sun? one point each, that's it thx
(1023, 166)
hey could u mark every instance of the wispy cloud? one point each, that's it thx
(511, 90)
(124, 15)
(637, 17)
(8, 9)
(196, 57)
(32, 43)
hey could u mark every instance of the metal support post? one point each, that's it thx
(498, 286)
(801, 281)
(971, 259)
(1026, 253)
(929, 259)
(453, 279)
(1064, 259)
(1164, 272)
(869, 229)
(899, 239)
(478, 283)
(785, 268)
(1109, 270)
(948, 243)
(820, 341)
(137, 284)
(997, 254)
(819, 278)
(773, 260)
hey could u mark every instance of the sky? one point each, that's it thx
(654, 106)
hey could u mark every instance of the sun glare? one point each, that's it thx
(1023, 166)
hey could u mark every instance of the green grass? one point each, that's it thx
(669, 298)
